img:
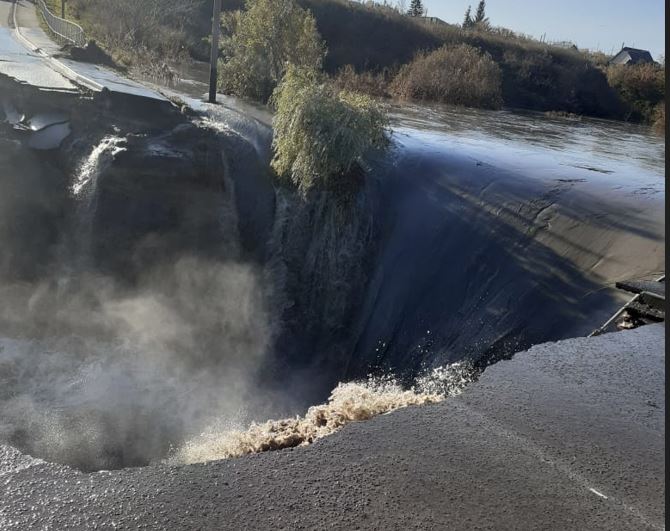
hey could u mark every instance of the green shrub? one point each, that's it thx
(641, 87)
(320, 133)
(261, 41)
(460, 75)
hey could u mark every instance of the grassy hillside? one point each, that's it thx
(368, 45)
(534, 75)
(366, 37)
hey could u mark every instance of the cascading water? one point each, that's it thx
(84, 189)
(319, 255)
(109, 370)
(217, 297)
(85, 180)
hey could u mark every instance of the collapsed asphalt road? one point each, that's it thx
(567, 435)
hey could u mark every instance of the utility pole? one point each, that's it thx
(214, 56)
(62, 8)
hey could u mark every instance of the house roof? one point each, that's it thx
(632, 55)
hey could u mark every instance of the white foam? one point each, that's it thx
(349, 402)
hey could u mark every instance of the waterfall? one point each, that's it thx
(320, 254)
(86, 177)
(84, 188)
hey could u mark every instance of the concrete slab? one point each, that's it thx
(41, 41)
(567, 435)
(112, 81)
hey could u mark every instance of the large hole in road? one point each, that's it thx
(158, 292)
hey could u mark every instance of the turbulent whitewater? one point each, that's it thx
(349, 402)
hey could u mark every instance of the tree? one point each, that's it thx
(481, 21)
(480, 16)
(321, 134)
(416, 9)
(467, 21)
(262, 40)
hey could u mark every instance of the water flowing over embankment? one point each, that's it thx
(160, 284)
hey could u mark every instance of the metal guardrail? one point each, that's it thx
(66, 32)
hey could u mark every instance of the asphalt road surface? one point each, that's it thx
(17, 62)
(568, 435)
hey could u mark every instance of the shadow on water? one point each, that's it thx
(471, 264)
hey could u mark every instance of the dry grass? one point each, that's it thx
(641, 87)
(137, 32)
(534, 75)
(372, 83)
(458, 74)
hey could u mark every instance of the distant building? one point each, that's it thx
(631, 56)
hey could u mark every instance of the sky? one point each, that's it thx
(592, 24)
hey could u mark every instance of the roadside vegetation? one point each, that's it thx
(642, 88)
(373, 47)
(369, 44)
(273, 53)
(143, 33)
(321, 133)
(261, 41)
(459, 74)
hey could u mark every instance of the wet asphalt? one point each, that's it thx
(567, 435)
